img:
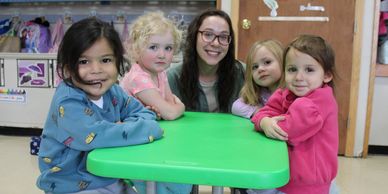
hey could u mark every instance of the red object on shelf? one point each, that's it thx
(382, 23)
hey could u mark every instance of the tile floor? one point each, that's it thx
(19, 170)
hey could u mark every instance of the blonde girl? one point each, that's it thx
(154, 40)
(262, 77)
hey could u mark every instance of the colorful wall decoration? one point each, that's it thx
(12, 95)
(33, 73)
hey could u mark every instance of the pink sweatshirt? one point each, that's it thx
(311, 122)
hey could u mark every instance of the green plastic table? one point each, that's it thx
(200, 148)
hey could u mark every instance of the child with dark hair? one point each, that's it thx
(305, 115)
(89, 110)
(210, 78)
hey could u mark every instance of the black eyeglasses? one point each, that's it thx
(223, 39)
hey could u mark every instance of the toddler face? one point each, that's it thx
(97, 66)
(266, 71)
(157, 54)
(303, 73)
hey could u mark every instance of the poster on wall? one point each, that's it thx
(1, 77)
(56, 78)
(33, 73)
(12, 95)
(2, 72)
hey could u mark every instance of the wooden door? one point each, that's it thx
(338, 31)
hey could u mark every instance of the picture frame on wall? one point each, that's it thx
(56, 79)
(33, 73)
(2, 79)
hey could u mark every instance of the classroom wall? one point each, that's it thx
(379, 121)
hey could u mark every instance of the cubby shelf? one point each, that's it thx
(381, 70)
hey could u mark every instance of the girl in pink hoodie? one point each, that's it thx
(305, 114)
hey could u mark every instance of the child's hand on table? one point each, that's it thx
(155, 110)
(271, 128)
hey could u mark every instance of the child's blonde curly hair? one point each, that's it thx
(147, 25)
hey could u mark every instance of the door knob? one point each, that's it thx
(246, 24)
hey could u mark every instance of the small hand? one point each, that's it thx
(271, 128)
(155, 110)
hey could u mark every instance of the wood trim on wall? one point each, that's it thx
(355, 81)
(218, 4)
(372, 76)
(235, 23)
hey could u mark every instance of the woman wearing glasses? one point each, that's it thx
(210, 78)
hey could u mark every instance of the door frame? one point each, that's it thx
(355, 76)
(372, 76)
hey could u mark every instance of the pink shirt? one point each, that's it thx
(311, 122)
(137, 80)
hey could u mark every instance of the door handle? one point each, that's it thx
(246, 24)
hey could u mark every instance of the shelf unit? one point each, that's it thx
(381, 70)
(377, 70)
